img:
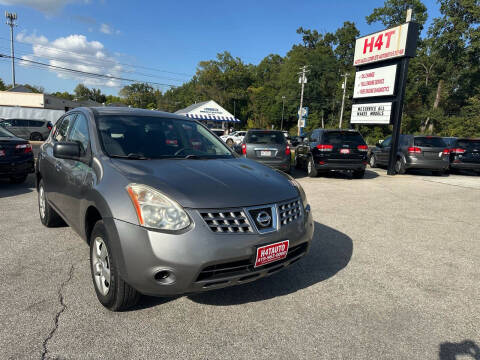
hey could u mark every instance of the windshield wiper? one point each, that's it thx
(131, 156)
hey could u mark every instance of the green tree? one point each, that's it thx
(393, 12)
(139, 95)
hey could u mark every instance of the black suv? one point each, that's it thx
(415, 152)
(324, 150)
(465, 155)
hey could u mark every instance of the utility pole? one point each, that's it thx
(11, 17)
(283, 108)
(302, 80)
(343, 98)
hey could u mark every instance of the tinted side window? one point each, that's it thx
(79, 132)
(387, 141)
(63, 127)
(343, 137)
(35, 123)
(22, 123)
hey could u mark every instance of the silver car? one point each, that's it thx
(36, 130)
(165, 206)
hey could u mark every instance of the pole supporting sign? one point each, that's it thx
(381, 61)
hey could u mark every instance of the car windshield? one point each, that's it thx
(5, 133)
(265, 137)
(468, 144)
(149, 137)
(343, 137)
(429, 142)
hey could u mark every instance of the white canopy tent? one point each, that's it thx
(208, 111)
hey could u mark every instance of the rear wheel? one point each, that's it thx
(373, 161)
(36, 137)
(358, 174)
(400, 166)
(112, 291)
(18, 179)
(311, 171)
(297, 163)
(438, 172)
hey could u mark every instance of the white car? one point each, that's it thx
(234, 138)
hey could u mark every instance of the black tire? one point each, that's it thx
(49, 218)
(297, 163)
(36, 137)
(120, 295)
(438, 172)
(18, 179)
(311, 171)
(373, 161)
(229, 142)
(477, 172)
(358, 174)
(400, 166)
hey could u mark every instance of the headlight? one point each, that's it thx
(299, 187)
(155, 210)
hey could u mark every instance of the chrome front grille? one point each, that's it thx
(245, 220)
(289, 211)
(227, 221)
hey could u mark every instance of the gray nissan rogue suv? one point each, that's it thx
(166, 207)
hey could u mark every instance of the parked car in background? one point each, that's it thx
(166, 207)
(323, 150)
(218, 132)
(37, 130)
(449, 141)
(297, 140)
(234, 138)
(268, 147)
(465, 155)
(415, 152)
(16, 157)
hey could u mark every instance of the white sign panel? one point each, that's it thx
(376, 113)
(375, 82)
(384, 45)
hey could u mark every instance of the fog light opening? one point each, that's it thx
(164, 277)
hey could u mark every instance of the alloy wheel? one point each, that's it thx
(41, 201)
(101, 266)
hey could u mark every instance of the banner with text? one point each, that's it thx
(374, 113)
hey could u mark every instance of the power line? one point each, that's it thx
(86, 73)
(90, 59)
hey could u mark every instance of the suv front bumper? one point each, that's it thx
(142, 253)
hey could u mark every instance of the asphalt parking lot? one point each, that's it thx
(393, 273)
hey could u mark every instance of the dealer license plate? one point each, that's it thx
(265, 153)
(271, 253)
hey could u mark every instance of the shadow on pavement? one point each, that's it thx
(329, 253)
(369, 174)
(468, 348)
(7, 189)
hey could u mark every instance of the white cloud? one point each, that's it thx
(74, 52)
(46, 6)
(109, 30)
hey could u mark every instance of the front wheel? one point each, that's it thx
(373, 161)
(48, 216)
(36, 137)
(230, 142)
(438, 172)
(112, 291)
(311, 170)
(297, 163)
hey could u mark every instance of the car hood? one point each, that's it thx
(210, 184)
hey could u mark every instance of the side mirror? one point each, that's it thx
(67, 150)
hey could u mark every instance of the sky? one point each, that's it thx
(160, 41)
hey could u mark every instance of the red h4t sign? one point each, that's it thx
(384, 45)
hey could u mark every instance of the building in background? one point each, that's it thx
(211, 114)
(21, 103)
